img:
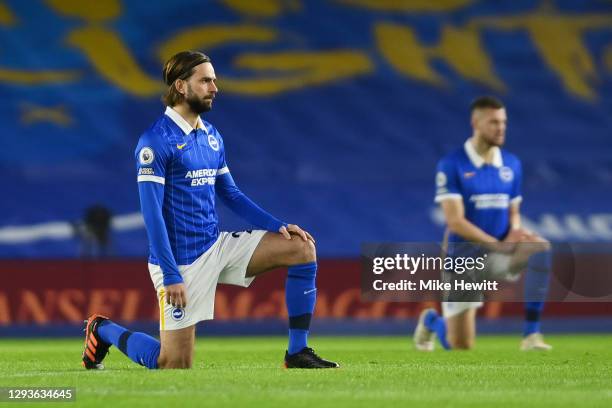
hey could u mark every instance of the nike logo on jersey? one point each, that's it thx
(309, 291)
(469, 174)
(180, 146)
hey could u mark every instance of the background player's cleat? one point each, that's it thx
(535, 342)
(95, 349)
(423, 337)
(306, 358)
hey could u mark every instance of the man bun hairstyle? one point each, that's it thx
(180, 66)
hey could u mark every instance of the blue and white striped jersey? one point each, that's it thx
(186, 162)
(487, 190)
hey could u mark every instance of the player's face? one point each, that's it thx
(490, 125)
(201, 88)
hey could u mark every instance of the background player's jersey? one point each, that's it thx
(186, 162)
(487, 190)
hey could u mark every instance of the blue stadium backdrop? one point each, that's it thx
(334, 112)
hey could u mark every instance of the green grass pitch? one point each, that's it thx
(376, 371)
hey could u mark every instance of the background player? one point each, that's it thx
(181, 165)
(478, 188)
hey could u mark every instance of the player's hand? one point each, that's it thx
(518, 235)
(176, 295)
(510, 242)
(528, 239)
(295, 230)
(501, 247)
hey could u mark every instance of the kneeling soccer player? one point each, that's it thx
(181, 166)
(478, 188)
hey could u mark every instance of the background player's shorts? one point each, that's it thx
(458, 301)
(450, 309)
(225, 261)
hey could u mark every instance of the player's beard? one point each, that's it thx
(196, 104)
(495, 140)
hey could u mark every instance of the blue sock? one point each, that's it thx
(139, 347)
(301, 296)
(536, 289)
(533, 312)
(437, 324)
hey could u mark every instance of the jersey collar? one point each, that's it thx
(182, 123)
(477, 159)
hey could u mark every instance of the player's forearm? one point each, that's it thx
(515, 219)
(243, 206)
(515, 222)
(151, 199)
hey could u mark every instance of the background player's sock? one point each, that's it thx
(301, 296)
(139, 347)
(533, 312)
(536, 289)
(437, 324)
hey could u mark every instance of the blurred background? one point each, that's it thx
(334, 113)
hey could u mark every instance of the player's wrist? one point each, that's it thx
(277, 225)
(500, 247)
(172, 279)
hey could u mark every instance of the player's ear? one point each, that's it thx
(474, 119)
(180, 86)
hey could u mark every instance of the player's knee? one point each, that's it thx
(458, 343)
(174, 362)
(464, 346)
(304, 252)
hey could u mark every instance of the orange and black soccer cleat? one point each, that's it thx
(95, 349)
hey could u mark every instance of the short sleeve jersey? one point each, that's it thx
(487, 190)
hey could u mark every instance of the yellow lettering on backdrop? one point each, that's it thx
(113, 60)
(25, 77)
(294, 70)
(558, 38)
(263, 8)
(90, 11)
(105, 49)
(209, 37)
(408, 6)
(608, 58)
(7, 18)
(34, 114)
(559, 41)
(459, 48)
(276, 72)
(36, 78)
